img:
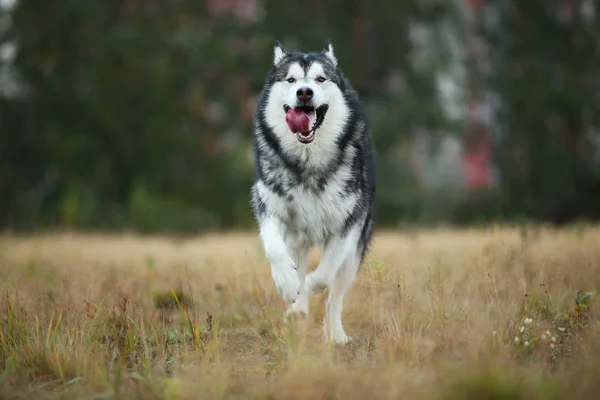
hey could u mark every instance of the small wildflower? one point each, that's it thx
(528, 321)
(494, 333)
(543, 336)
(548, 333)
(552, 345)
(522, 329)
(526, 343)
(554, 338)
(517, 340)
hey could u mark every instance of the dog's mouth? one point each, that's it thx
(304, 121)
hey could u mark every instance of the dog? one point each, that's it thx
(314, 180)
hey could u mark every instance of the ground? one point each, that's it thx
(473, 314)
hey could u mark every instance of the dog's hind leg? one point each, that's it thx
(337, 251)
(332, 259)
(332, 324)
(336, 271)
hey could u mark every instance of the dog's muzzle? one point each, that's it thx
(305, 120)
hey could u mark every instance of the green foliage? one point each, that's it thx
(138, 115)
(151, 213)
(550, 164)
(497, 384)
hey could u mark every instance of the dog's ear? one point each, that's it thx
(278, 53)
(328, 51)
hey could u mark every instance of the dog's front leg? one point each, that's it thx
(299, 253)
(283, 268)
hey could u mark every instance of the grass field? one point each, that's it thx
(445, 314)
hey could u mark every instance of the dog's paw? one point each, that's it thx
(315, 283)
(340, 338)
(296, 313)
(286, 281)
(299, 309)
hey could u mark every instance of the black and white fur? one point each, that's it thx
(319, 193)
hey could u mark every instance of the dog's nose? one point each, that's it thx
(304, 94)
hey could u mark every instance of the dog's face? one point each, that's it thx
(305, 99)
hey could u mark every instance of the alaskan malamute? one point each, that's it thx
(315, 180)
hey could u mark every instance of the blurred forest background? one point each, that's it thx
(136, 115)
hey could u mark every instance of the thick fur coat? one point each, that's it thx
(315, 186)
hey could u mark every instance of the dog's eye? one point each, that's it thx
(321, 79)
(291, 80)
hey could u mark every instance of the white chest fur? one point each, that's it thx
(312, 215)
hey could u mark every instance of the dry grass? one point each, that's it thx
(433, 315)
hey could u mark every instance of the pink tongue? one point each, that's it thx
(297, 120)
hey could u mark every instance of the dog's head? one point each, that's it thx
(305, 96)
